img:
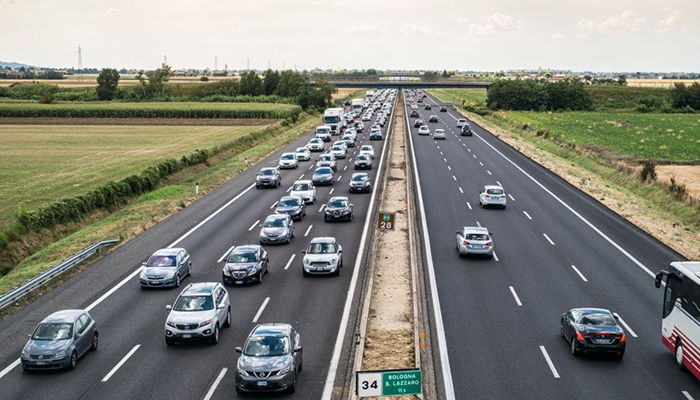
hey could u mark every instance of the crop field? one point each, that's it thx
(43, 163)
(455, 96)
(670, 137)
(90, 80)
(27, 109)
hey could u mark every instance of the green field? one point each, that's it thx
(109, 109)
(669, 137)
(42, 163)
(470, 96)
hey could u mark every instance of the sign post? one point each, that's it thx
(385, 220)
(389, 383)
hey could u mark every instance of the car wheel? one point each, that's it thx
(337, 271)
(215, 336)
(574, 350)
(293, 387)
(169, 341)
(257, 186)
(260, 277)
(73, 360)
(504, 206)
(238, 390)
(227, 323)
(561, 331)
(95, 342)
(679, 356)
(177, 280)
(304, 273)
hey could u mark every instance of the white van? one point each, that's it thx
(323, 132)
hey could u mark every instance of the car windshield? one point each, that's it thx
(267, 172)
(437, 131)
(362, 157)
(243, 257)
(366, 148)
(301, 186)
(302, 150)
(323, 171)
(53, 331)
(194, 303)
(477, 236)
(359, 178)
(289, 202)
(321, 248)
(337, 148)
(315, 141)
(338, 203)
(597, 319)
(161, 261)
(324, 158)
(274, 223)
(324, 130)
(347, 137)
(494, 191)
(288, 156)
(261, 346)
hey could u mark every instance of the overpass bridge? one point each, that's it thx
(403, 82)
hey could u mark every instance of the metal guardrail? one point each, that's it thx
(56, 270)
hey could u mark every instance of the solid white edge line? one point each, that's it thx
(687, 395)
(549, 362)
(261, 309)
(119, 365)
(253, 226)
(527, 215)
(547, 237)
(517, 299)
(335, 359)
(579, 273)
(199, 225)
(225, 254)
(286, 267)
(439, 325)
(622, 321)
(568, 207)
(216, 383)
(308, 230)
(10, 367)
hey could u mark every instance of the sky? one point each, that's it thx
(577, 35)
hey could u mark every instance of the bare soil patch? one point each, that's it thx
(688, 175)
(140, 121)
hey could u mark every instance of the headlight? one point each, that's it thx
(205, 323)
(170, 275)
(306, 261)
(227, 272)
(284, 370)
(25, 354)
(262, 233)
(171, 324)
(253, 271)
(242, 372)
(60, 354)
(142, 275)
(334, 260)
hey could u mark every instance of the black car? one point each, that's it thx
(593, 330)
(443, 109)
(417, 123)
(323, 176)
(246, 264)
(360, 182)
(433, 118)
(268, 177)
(427, 106)
(414, 114)
(347, 103)
(338, 207)
(292, 205)
(466, 130)
(363, 162)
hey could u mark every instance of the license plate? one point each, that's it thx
(187, 336)
(238, 282)
(261, 383)
(603, 341)
(478, 246)
(41, 363)
(318, 269)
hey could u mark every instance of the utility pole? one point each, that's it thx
(248, 63)
(216, 63)
(80, 62)
(165, 59)
(268, 64)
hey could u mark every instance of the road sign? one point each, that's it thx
(385, 221)
(389, 383)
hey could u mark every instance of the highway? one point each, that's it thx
(133, 360)
(556, 248)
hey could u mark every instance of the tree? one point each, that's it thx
(251, 84)
(141, 77)
(270, 81)
(157, 81)
(325, 90)
(622, 80)
(107, 84)
(291, 84)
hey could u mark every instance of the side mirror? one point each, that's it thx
(143, 264)
(297, 349)
(239, 350)
(168, 307)
(659, 277)
(220, 306)
(490, 233)
(458, 232)
(303, 251)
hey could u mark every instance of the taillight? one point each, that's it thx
(623, 338)
(464, 242)
(486, 195)
(580, 337)
(489, 243)
(503, 196)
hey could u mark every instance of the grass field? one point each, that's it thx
(42, 163)
(671, 137)
(90, 80)
(455, 96)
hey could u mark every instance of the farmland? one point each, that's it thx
(147, 110)
(40, 163)
(455, 96)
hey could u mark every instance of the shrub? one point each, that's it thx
(3, 241)
(204, 79)
(5, 269)
(46, 98)
(21, 215)
(648, 172)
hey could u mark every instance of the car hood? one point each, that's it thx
(318, 176)
(239, 266)
(359, 183)
(286, 209)
(320, 257)
(274, 230)
(46, 347)
(266, 177)
(190, 317)
(334, 209)
(160, 271)
(271, 363)
(361, 161)
(301, 193)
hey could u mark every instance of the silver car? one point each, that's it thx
(367, 149)
(323, 256)
(166, 268)
(349, 140)
(288, 160)
(270, 360)
(277, 228)
(315, 145)
(439, 134)
(295, 206)
(338, 151)
(268, 177)
(59, 340)
(327, 160)
(492, 195)
(304, 189)
(303, 154)
(323, 176)
(363, 161)
(360, 182)
(199, 312)
(474, 240)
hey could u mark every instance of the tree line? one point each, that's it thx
(524, 95)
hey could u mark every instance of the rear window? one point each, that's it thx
(494, 191)
(301, 186)
(597, 319)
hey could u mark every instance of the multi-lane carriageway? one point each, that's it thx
(496, 321)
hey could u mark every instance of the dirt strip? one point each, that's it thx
(140, 121)
(389, 340)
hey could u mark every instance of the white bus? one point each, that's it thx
(680, 324)
(333, 117)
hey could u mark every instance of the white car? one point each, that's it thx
(349, 140)
(324, 256)
(461, 122)
(367, 149)
(315, 144)
(304, 189)
(198, 313)
(303, 154)
(492, 195)
(474, 240)
(439, 134)
(338, 151)
(324, 132)
(341, 143)
(367, 117)
(288, 160)
(424, 130)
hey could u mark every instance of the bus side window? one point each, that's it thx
(668, 302)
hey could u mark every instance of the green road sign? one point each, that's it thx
(389, 383)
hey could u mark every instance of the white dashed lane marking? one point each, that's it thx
(254, 225)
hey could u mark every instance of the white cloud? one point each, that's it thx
(114, 11)
(329, 2)
(422, 30)
(496, 23)
(367, 30)
(6, 2)
(234, 31)
(669, 23)
(558, 36)
(627, 20)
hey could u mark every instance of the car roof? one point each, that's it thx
(290, 197)
(323, 239)
(276, 216)
(476, 229)
(303, 181)
(493, 187)
(589, 310)
(168, 252)
(199, 288)
(338, 198)
(360, 174)
(266, 168)
(272, 329)
(246, 248)
(323, 169)
(64, 316)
